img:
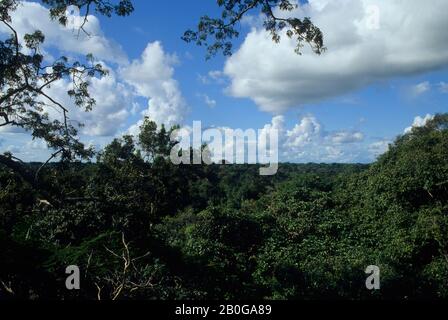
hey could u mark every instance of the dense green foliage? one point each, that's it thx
(141, 228)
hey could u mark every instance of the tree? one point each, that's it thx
(222, 30)
(154, 142)
(24, 80)
(397, 212)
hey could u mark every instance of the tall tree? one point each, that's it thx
(25, 79)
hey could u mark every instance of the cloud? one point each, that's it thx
(11, 129)
(419, 122)
(347, 137)
(310, 130)
(114, 104)
(113, 97)
(31, 16)
(306, 141)
(368, 42)
(379, 147)
(213, 76)
(208, 101)
(152, 77)
(203, 79)
(303, 133)
(216, 75)
(24, 147)
(419, 89)
(424, 87)
(443, 87)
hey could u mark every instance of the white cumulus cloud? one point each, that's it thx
(114, 102)
(419, 122)
(306, 141)
(368, 41)
(152, 77)
(32, 16)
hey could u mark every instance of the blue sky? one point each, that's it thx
(374, 81)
